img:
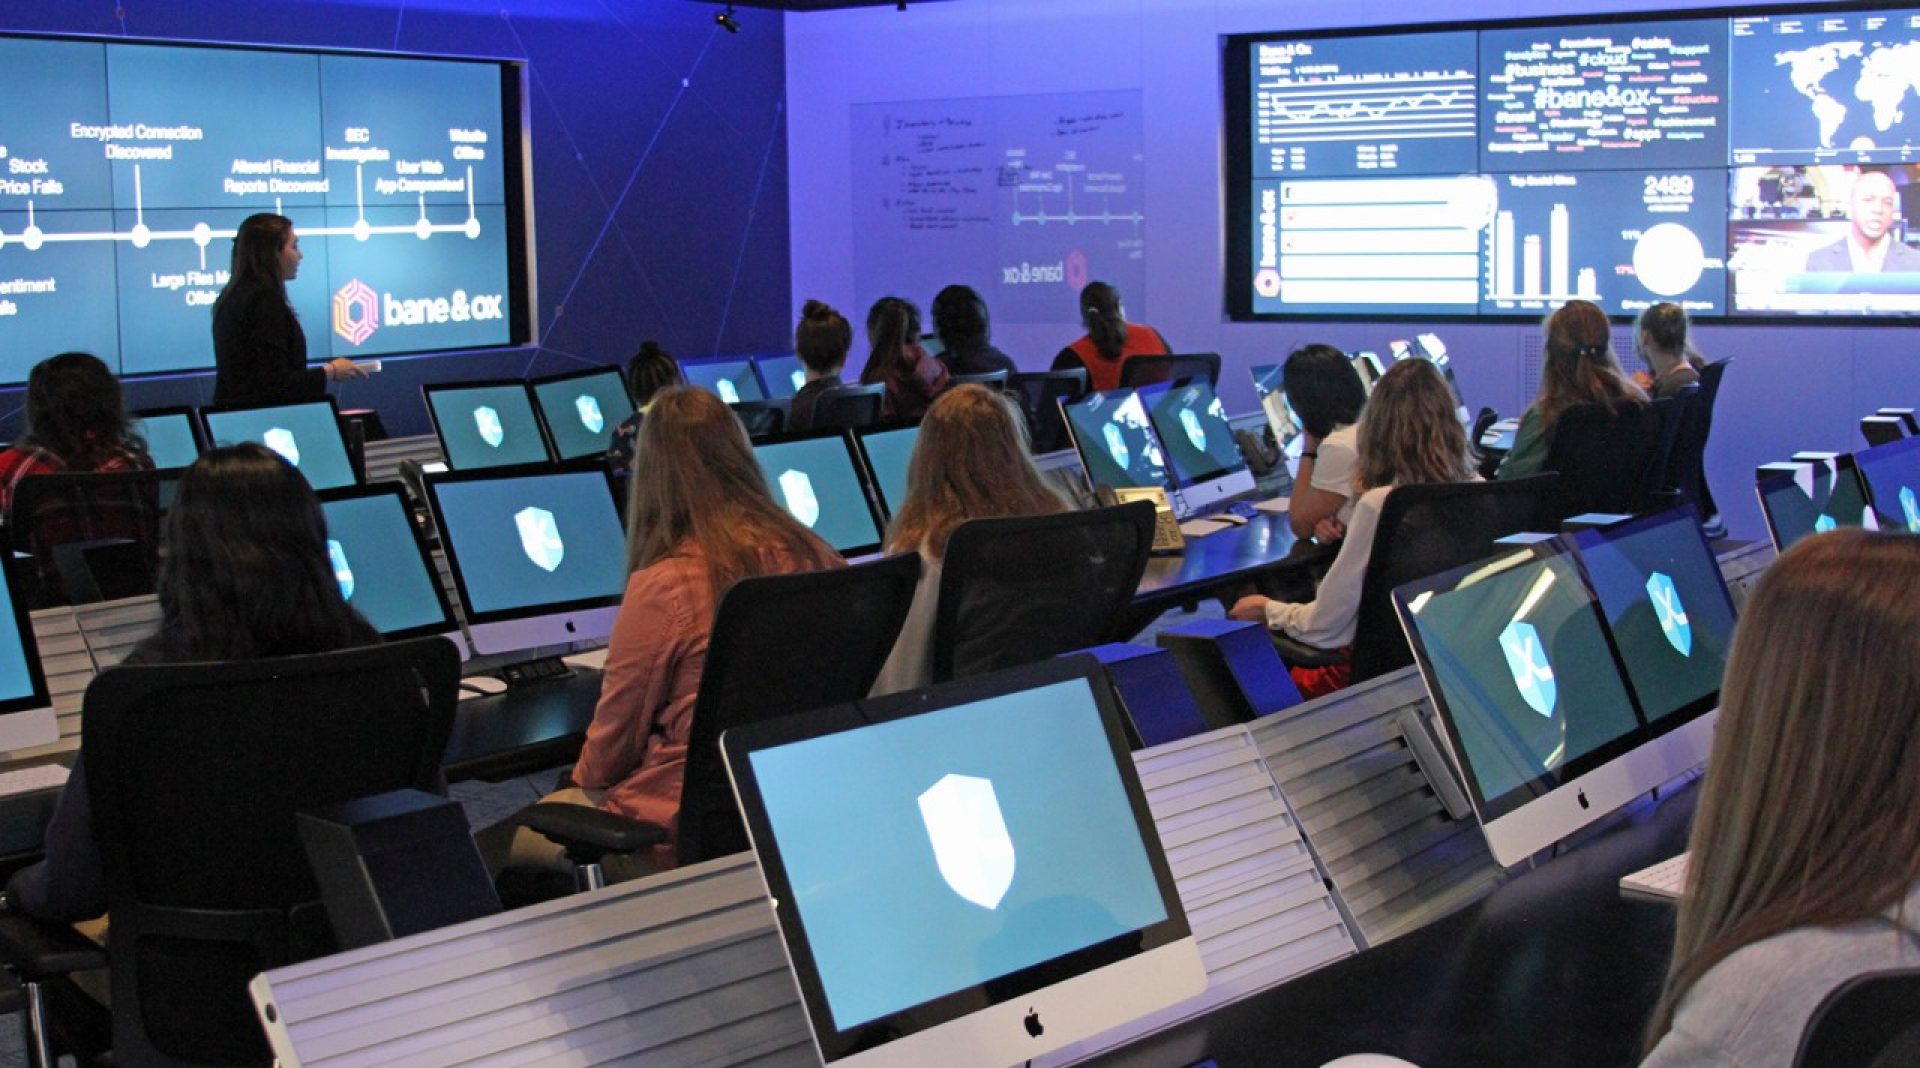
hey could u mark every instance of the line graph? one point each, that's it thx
(1351, 109)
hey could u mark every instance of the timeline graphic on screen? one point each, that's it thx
(121, 187)
(1749, 166)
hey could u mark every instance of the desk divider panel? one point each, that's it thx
(113, 628)
(384, 457)
(69, 668)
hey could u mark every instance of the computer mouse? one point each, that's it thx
(1368, 1060)
(485, 685)
(1229, 517)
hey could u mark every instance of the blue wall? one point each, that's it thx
(1792, 388)
(659, 168)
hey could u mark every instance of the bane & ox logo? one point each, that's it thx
(356, 312)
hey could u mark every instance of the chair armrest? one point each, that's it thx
(1296, 653)
(588, 834)
(41, 949)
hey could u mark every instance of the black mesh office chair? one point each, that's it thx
(762, 418)
(1687, 468)
(1871, 1021)
(852, 406)
(781, 645)
(1145, 370)
(1041, 393)
(195, 773)
(1424, 530)
(993, 380)
(102, 529)
(1013, 591)
(1608, 457)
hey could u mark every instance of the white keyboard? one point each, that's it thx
(29, 779)
(1664, 881)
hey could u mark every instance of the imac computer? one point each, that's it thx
(887, 452)
(383, 566)
(581, 409)
(1430, 348)
(1805, 497)
(26, 707)
(538, 555)
(991, 902)
(173, 439)
(1892, 475)
(306, 434)
(1198, 444)
(1367, 365)
(782, 376)
(1116, 441)
(485, 424)
(1281, 418)
(816, 477)
(731, 378)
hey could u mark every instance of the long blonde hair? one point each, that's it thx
(1409, 432)
(971, 462)
(1580, 365)
(695, 481)
(1810, 814)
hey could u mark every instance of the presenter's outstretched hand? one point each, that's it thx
(339, 369)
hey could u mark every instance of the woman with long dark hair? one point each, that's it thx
(1110, 339)
(1580, 368)
(966, 333)
(897, 361)
(76, 421)
(246, 576)
(259, 349)
(1328, 396)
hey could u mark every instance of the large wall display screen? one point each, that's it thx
(1739, 165)
(125, 168)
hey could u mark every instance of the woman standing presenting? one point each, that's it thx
(259, 350)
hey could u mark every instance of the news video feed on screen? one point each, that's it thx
(1752, 166)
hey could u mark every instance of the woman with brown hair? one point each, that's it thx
(1580, 368)
(699, 518)
(971, 461)
(1804, 864)
(897, 361)
(1409, 434)
(1110, 340)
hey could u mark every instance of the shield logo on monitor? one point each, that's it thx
(590, 417)
(1116, 445)
(1527, 659)
(1670, 612)
(1196, 433)
(797, 488)
(280, 440)
(487, 422)
(727, 390)
(970, 840)
(342, 573)
(540, 537)
(1824, 523)
(1910, 504)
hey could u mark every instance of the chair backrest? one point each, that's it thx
(1013, 591)
(851, 406)
(1870, 1021)
(195, 773)
(1687, 465)
(783, 645)
(1144, 370)
(1606, 455)
(1040, 394)
(49, 511)
(762, 418)
(1424, 530)
(993, 380)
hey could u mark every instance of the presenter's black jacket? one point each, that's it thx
(260, 352)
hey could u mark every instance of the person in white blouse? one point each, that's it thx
(1328, 396)
(1408, 435)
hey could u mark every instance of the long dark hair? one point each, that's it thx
(1324, 389)
(1105, 319)
(1580, 365)
(246, 572)
(892, 325)
(74, 411)
(650, 371)
(256, 256)
(960, 317)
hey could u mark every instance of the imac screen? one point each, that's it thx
(378, 560)
(783, 375)
(169, 437)
(814, 477)
(1115, 440)
(581, 411)
(486, 425)
(1892, 474)
(732, 381)
(531, 540)
(308, 435)
(1267, 379)
(1193, 428)
(1522, 671)
(1667, 607)
(26, 710)
(1815, 496)
(889, 452)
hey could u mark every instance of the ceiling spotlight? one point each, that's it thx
(726, 21)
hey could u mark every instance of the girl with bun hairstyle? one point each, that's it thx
(648, 372)
(1580, 368)
(822, 341)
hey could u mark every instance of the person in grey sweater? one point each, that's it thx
(1804, 861)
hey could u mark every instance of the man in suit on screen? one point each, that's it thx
(1869, 246)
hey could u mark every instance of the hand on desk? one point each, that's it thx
(1250, 609)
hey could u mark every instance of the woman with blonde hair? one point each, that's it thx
(1408, 435)
(699, 519)
(1580, 368)
(971, 461)
(1804, 863)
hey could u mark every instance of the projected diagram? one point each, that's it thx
(1324, 107)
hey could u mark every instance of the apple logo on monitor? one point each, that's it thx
(1032, 1024)
(487, 422)
(280, 440)
(1528, 662)
(971, 845)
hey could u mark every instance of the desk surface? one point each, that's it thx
(1219, 561)
(529, 728)
(1554, 968)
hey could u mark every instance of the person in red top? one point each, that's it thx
(912, 377)
(1110, 339)
(700, 518)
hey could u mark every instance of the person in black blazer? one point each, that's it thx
(1870, 238)
(259, 349)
